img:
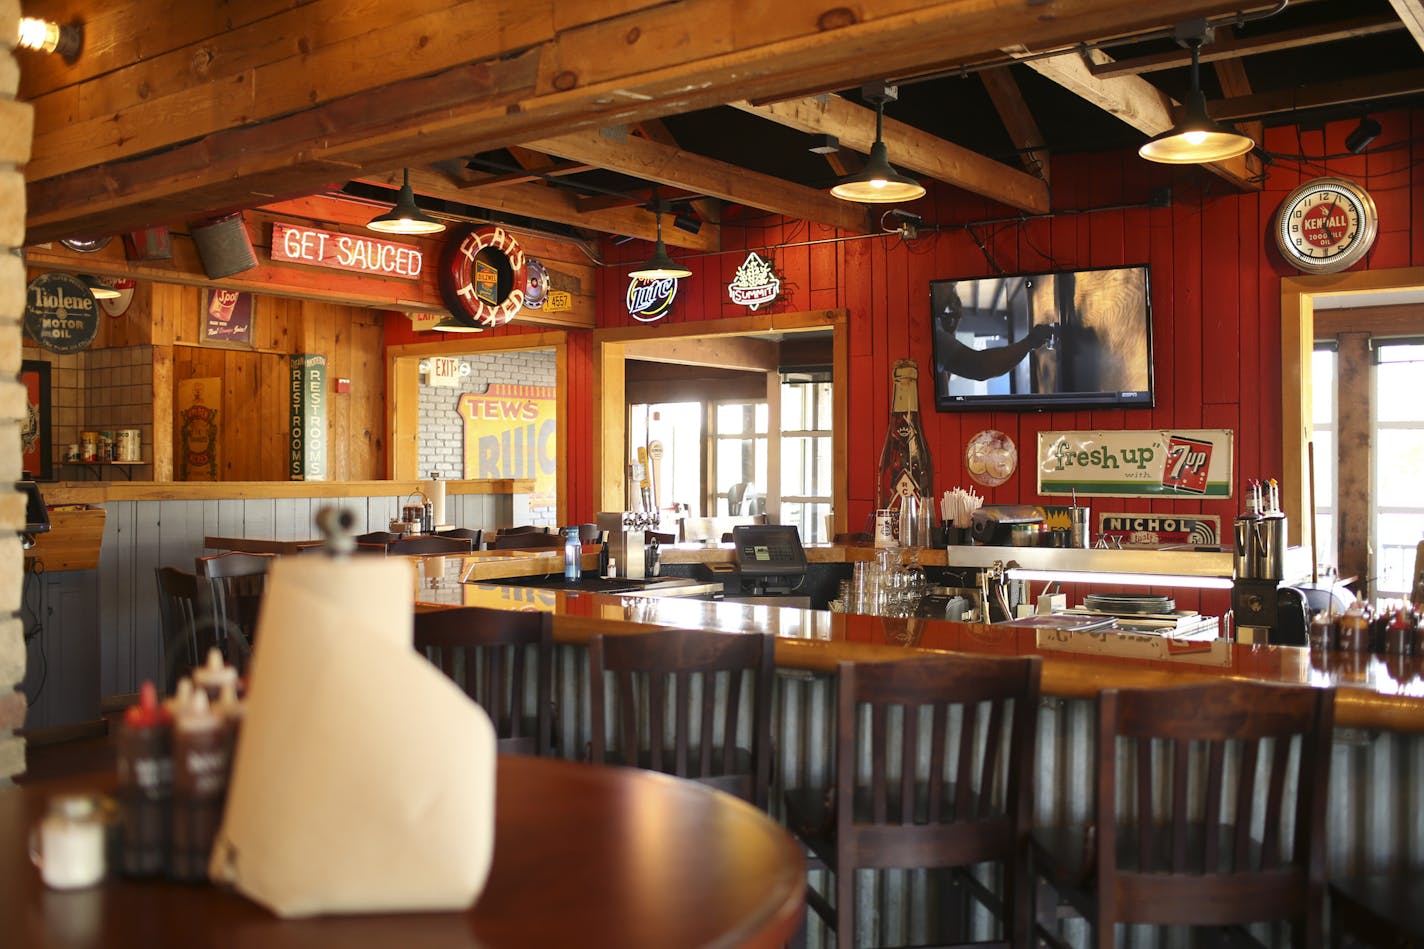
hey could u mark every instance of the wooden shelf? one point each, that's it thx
(72, 541)
(97, 466)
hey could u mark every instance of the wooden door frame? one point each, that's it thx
(403, 408)
(611, 412)
(1297, 341)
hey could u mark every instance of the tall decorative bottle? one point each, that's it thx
(905, 466)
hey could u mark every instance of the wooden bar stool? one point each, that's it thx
(1178, 793)
(932, 770)
(484, 650)
(675, 706)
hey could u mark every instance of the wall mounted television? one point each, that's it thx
(1067, 339)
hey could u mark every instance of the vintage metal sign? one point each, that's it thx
(60, 313)
(1185, 463)
(308, 434)
(351, 252)
(482, 276)
(511, 432)
(650, 300)
(755, 283)
(1157, 530)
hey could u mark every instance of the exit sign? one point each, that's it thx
(445, 371)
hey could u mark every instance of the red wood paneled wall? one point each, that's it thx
(1215, 294)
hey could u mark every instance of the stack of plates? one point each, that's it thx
(1129, 603)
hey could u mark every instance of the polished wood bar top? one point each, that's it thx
(97, 492)
(584, 856)
(1376, 692)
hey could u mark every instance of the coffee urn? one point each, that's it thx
(1259, 561)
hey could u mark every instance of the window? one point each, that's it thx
(739, 437)
(806, 458)
(1398, 508)
(1325, 421)
(676, 472)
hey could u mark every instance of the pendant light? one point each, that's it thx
(878, 182)
(406, 217)
(661, 266)
(452, 325)
(98, 289)
(1196, 138)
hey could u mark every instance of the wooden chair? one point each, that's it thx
(948, 810)
(229, 592)
(474, 535)
(483, 650)
(429, 544)
(1172, 841)
(183, 643)
(665, 707)
(379, 537)
(528, 540)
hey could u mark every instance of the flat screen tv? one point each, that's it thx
(1038, 342)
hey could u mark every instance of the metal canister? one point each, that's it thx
(106, 446)
(88, 446)
(130, 445)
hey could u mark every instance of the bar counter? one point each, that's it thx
(1375, 693)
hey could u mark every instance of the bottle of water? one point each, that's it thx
(573, 555)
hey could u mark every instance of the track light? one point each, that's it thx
(661, 266)
(49, 37)
(878, 182)
(690, 223)
(1196, 139)
(406, 217)
(1363, 136)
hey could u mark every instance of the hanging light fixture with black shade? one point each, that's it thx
(406, 217)
(98, 289)
(1196, 138)
(1363, 136)
(661, 266)
(878, 182)
(452, 325)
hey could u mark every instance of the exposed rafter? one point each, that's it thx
(1411, 14)
(1406, 82)
(1137, 103)
(910, 148)
(128, 141)
(551, 204)
(619, 151)
(1018, 121)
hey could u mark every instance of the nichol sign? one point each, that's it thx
(60, 313)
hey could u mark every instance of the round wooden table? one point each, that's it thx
(584, 856)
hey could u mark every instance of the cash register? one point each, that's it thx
(769, 565)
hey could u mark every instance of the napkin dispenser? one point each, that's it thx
(993, 524)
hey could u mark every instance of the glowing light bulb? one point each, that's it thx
(1194, 138)
(39, 34)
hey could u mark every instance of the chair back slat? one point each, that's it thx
(1211, 811)
(678, 719)
(1245, 794)
(1145, 822)
(428, 544)
(880, 753)
(185, 639)
(909, 745)
(1181, 751)
(1271, 837)
(963, 774)
(495, 656)
(989, 769)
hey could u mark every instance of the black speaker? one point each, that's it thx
(224, 246)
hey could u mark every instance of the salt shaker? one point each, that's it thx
(68, 845)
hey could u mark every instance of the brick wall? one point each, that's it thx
(16, 131)
(442, 435)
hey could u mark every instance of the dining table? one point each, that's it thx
(584, 855)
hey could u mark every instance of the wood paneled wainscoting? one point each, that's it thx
(94, 633)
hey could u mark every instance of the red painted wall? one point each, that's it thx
(1215, 294)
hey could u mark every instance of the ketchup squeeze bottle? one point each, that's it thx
(145, 766)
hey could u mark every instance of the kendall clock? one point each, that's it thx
(1326, 225)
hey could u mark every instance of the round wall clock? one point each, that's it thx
(1326, 225)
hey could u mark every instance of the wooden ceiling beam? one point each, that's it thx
(724, 352)
(1018, 121)
(709, 209)
(1411, 14)
(910, 149)
(1231, 74)
(1406, 82)
(1138, 103)
(232, 112)
(1235, 48)
(552, 204)
(619, 151)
